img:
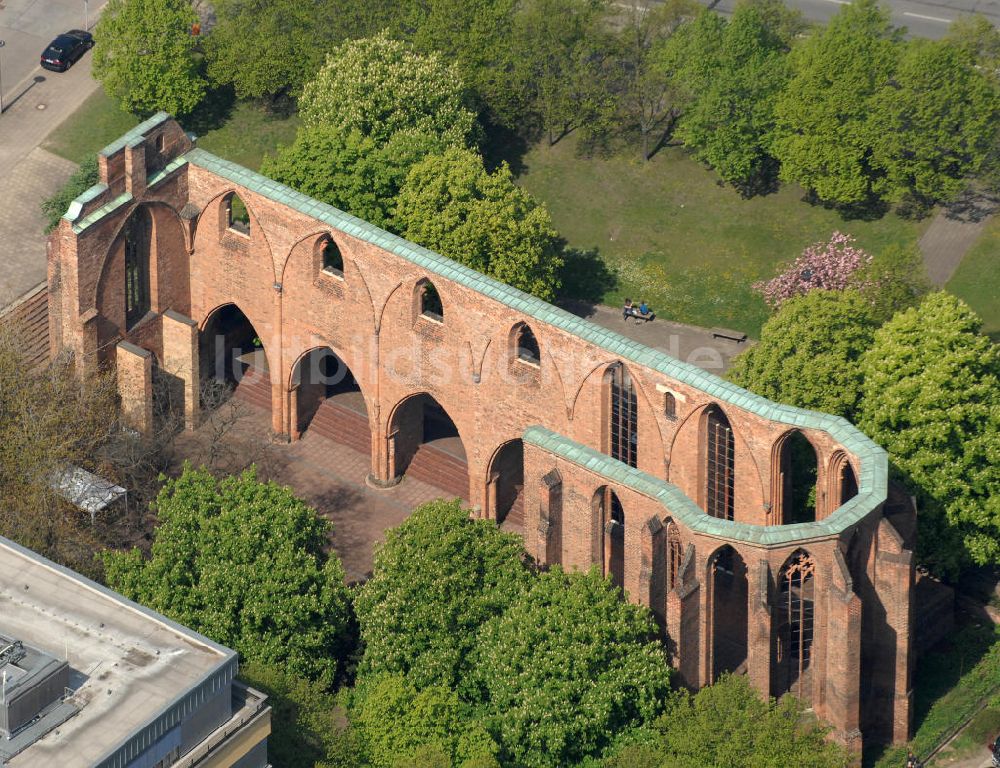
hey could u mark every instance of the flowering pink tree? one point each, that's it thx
(828, 266)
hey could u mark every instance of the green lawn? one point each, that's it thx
(241, 132)
(977, 279)
(673, 236)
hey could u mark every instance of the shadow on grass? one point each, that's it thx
(871, 209)
(585, 277)
(504, 145)
(212, 113)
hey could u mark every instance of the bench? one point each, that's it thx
(640, 318)
(728, 333)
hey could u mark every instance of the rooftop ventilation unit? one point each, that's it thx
(30, 682)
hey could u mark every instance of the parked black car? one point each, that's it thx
(66, 49)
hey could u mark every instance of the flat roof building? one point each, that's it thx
(90, 679)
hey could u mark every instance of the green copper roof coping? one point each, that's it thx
(76, 207)
(169, 168)
(690, 514)
(135, 134)
(94, 216)
(629, 350)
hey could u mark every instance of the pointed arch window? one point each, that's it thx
(137, 239)
(237, 216)
(674, 554)
(333, 259)
(430, 302)
(526, 345)
(623, 423)
(797, 613)
(720, 466)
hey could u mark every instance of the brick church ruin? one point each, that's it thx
(678, 484)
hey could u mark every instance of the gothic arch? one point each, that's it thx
(727, 615)
(610, 518)
(795, 496)
(794, 626)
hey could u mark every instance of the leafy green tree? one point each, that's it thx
(825, 128)
(781, 21)
(810, 351)
(938, 122)
(728, 724)
(730, 123)
(566, 667)
(348, 170)
(308, 727)
(246, 563)
(436, 579)
(977, 37)
(451, 204)
(400, 725)
(641, 75)
(931, 397)
(556, 42)
(144, 56)
(895, 279)
(83, 178)
(378, 86)
(263, 49)
(477, 36)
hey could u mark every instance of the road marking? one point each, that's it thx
(839, 2)
(927, 18)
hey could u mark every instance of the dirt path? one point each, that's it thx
(954, 230)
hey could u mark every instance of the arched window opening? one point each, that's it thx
(138, 233)
(430, 302)
(506, 484)
(729, 591)
(670, 406)
(526, 346)
(611, 518)
(845, 482)
(237, 216)
(333, 260)
(623, 423)
(159, 142)
(720, 474)
(426, 445)
(674, 554)
(796, 612)
(799, 467)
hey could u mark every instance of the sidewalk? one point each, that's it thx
(29, 174)
(954, 230)
(688, 343)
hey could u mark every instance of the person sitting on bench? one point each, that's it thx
(643, 313)
(628, 310)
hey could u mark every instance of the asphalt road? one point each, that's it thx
(27, 27)
(922, 18)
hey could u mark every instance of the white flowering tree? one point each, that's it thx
(380, 86)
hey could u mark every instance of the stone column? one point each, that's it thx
(180, 361)
(135, 386)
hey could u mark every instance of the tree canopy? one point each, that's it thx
(825, 127)
(810, 351)
(730, 120)
(931, 397)
(262, 49)
(728, 724)
(245, 563)
(400, 725)
(451, 204)
(938, 123)
(144, 56)
(567, 666)
(349, 170)
(436, 579)
(378, 86)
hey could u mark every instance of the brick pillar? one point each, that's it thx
(684, 622)
(384, 447)
(842, 702)
(135, 170)
(653, 570)
(135, 386)
(894, 585)
(180, 361)
(548, 547)
(279, 404)
(759, 626)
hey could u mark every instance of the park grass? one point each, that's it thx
(977, 279)
(239, 131)
(671, 234)
(951, 683)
